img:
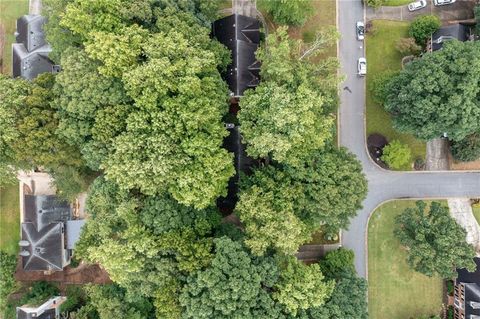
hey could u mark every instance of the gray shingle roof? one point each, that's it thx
(30, 53)
(457, 31)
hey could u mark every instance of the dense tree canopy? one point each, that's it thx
(436, 243)
(467, 149)
(289, 12)
(422, 28)
(286, 116)
(281, 206)
(438, 93)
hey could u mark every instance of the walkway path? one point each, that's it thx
(383, 185)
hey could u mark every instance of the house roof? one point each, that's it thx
(43, 240)
(74, 229)
(243, 163)
(472, 289)
(30, 53)
(241, 35)
(48, 314)
(30, 31)
(457, 31)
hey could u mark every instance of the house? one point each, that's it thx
(50, 226)
(48, 310)
(467, 293)
(241, 35)
(30, 53)
(457, 31)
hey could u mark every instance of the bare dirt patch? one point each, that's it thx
(474, 165)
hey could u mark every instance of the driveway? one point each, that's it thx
(383, 185)
(460, 10)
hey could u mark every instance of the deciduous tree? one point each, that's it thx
(288, 12)
(436, 243)
(397, 155)
(438, 93)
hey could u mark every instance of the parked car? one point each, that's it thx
(361, 30)
(417, 5)
(443, 2)
(362, 66)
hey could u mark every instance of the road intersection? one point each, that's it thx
(383, 185)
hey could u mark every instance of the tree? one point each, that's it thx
(430, 110)
(233, 286)
(348, 299)
(436, 243)
(296, 201)
(286, 116)
(300, 286)
(289, 12)
(144, 242)
(422, 28)
(397, 155)
(467, 149)
(407, 46)
(111, 301)
(379, 85)
(269, 219)
(337, 262)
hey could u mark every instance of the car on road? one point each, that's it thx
(417, 5)
(362, 66)
(443, 2)
(360, 30)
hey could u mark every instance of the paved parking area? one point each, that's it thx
(459, 11)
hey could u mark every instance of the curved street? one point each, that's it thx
(383, 185)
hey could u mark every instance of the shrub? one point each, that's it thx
(375, 3)
(8, 263)
(450, 312)
(397, 155)
(450, 287)
(467, 149)
(408, 46)
(288, 12)
(423, 27)
(378, 86)
(76, 298)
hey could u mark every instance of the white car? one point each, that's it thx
(362, 66)
(443, 2)
(360, 28)
(417, 5)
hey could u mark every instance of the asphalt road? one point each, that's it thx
(383, 185)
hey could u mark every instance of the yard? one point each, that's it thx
(382, 56)
(10, 11)
(396, 2)
(395, 291)
(9, 218)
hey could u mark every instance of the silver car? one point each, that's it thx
(360, 27)
(362, 66)
(417, 5)
(443, 2)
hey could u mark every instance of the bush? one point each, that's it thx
(450, 312)
(450, 287)
(397, 155)
(375, 3)
(288, 12)
(38, 293)
(408, 46)
(8, 263)
(423, 27)
(467, 149)
(75, 299)
(378, 86)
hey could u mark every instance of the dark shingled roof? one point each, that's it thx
(30, 53)
(241, 35)
(242, 163)
(43, 237)
(472, 289)
(457, 31)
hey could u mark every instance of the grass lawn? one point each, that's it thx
(394, 3)
(476, 213)
(10, 11)
(395, 291)
(9, 218)
(382, 56)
